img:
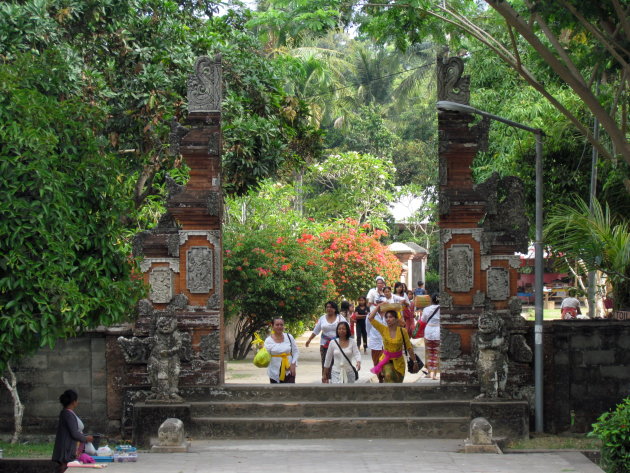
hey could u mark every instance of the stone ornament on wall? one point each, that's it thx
(498, 284)
(161, 282)
(199, 270)
(209, 347)
(452, 86)
(205, 85)
(459, 264)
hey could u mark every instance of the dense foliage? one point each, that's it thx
(613, 428)
(62, 265)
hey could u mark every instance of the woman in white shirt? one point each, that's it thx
(327, 326)
(431, 315)
(284, 354)
(341, 353)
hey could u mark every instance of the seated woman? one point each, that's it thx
(343, 351)
(392, 361)
(70, 440)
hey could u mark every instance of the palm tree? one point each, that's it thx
(598, 238)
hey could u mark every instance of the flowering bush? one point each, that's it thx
(354, 256)
(268, 274)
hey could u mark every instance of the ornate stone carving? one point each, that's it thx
(172, 187)
(459, 267)
(443, 169)
(205, 85)
(214, 144)
(505, 222)
(214, 302)
(199, 270)
(173, 245)
(161, 282)
(179, 302)
(164, 365)
(498, 280)
(166, 224)
(209, 347)
(175, 137)
(492, 365)
(520, 350)
(137, 244)
(452, 86)
(173, 263)
(135, 350)
(446, 300)
(444, 203)
(479, 298)
(516, 306)
(214, 204)
(445, 236)
(450, 345)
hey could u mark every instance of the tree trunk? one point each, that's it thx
(245, 330)
(18, 408)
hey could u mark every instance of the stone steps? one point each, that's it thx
(330, 427)
(326, 409)
(356, 392)
(332, 411)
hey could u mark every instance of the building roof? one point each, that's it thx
(408, 247)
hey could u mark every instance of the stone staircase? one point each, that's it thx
(346, 411)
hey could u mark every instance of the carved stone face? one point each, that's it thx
(166, 325)
(489, 323)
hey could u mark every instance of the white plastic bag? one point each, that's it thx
(89, 449)
(104, 451)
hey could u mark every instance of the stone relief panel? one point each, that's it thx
(451, 344)
(459, 264)
(199, 270)
(498, 284)
(161, 282)
(205, 85)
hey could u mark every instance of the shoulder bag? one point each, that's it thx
(356, 373)
(411, 366)
(420, 326)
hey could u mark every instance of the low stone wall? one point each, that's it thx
(77, 363)
(586, 371)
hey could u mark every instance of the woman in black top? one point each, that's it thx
(69, 432)
(362, 311)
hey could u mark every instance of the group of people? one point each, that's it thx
(383, 321)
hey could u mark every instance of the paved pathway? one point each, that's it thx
(349, 456)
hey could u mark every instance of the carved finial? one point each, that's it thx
(205, 85)
(452, 86)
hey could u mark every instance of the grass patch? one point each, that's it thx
(548, 314)
(27, 450)
(554, 442)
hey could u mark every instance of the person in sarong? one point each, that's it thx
(392, 362)
(432, 336)
(340, 357)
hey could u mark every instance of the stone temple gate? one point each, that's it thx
(172, 357)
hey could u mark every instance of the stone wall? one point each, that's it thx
(587, 371)
(77, 363)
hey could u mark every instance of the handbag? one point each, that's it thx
(356, 373)
(420, 326)
(412, 367)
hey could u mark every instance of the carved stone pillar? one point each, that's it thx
(481, 227)
(181, 259)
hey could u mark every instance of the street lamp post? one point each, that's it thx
(538, 248)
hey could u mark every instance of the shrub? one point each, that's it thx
(613, 428)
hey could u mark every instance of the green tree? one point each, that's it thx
(269, 273)
(63, 266)
(350, 185)
(596, 237)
